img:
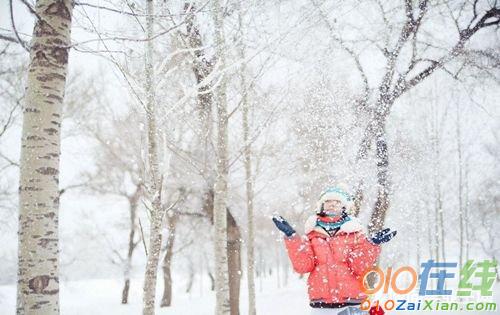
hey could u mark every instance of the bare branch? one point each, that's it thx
(10, 39)
(142, 237)
(192, 214)
(132, 13)
(343, 46)
(403, 85)
(10, 117)
(11, 162)
(19, 40)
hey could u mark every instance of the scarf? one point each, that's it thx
(332, 223)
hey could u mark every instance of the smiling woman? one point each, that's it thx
(335, 252)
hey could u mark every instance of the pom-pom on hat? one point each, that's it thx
(339, 193)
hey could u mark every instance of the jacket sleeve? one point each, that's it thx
(301, 253)
(362, 256)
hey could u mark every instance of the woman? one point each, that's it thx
(335, 252)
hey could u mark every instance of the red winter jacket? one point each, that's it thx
(335, 264)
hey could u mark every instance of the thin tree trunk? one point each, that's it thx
(466, 209)
(212, 280)
(156, 211)
(379, 213)
(233, 251)
(222, 305)
(497, 271)
(201, 271)
(261, 271)
(167, 262)
(430, 239)
(202, 68)
(248, 178)
(234, 263)
(443, 233)
(133, 201)
(418, 231)
(358, 198)
(439, 239)
(189, 285)
(38, 247)
(376, 130)
(278, 278)
(437, 187)
(126, 289)
(152, 263)
(460, 188)
(440, 213)
(436, 230)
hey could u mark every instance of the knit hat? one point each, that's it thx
(339, 193)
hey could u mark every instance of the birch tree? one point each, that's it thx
(38, 269)
(248, 173)
(166, 299)
(435, 141)
(156, 212)
(461, 214)
(205, 72)
(220, 188)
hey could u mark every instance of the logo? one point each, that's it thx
(474, 279)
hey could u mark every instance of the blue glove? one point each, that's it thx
(383, 236)
(283, 226)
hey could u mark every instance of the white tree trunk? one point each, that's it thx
(466, 209)
(248, 177)
(38, 277)
(156, 210)
(167, 262)
(222, 305)
(438, 202)
(460, 188)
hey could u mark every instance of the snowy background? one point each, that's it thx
(443, 138)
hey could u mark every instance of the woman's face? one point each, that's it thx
(332, 207)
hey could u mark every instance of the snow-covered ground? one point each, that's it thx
(102, 297)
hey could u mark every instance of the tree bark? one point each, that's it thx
(202, 68)
(466, 210)
(248, 181)
(460, 189)
(358, 198)
(222, 305)
(215, 196)
(376, 130)
(233, 251)
(155, 182)
(38, 253)
(152, 264)
(439, 240)
(379, 213)
(167, 262)
(234, 263)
